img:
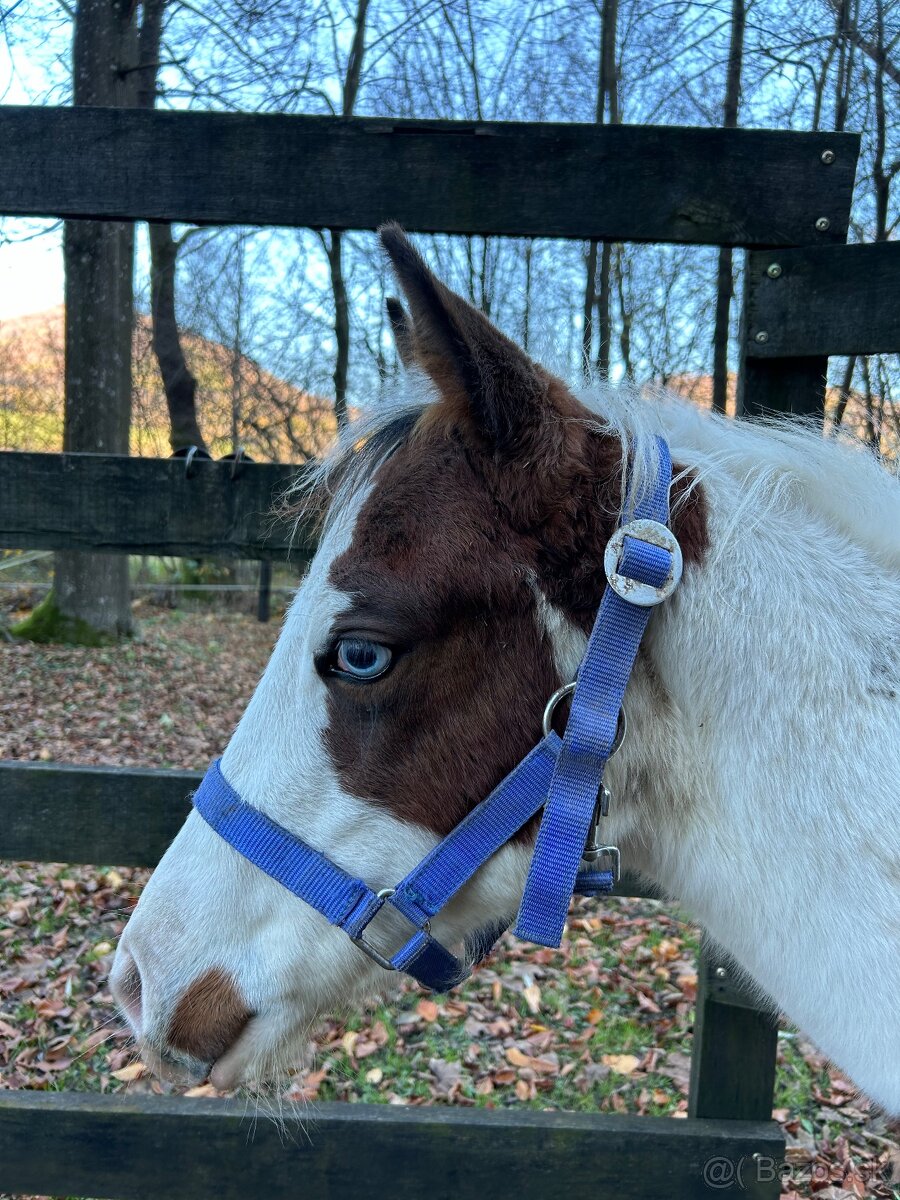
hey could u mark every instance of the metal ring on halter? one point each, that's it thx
(568, 689)
(189, 461)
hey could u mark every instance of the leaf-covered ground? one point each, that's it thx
(602, 1024)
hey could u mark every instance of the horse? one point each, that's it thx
(458, 573)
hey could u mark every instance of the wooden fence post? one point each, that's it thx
(733, 1055)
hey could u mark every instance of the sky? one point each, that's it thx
(31, 267)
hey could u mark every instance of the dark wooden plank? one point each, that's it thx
(782, 386)
(733, 1055)
(775, 386)
(118, 816)
(143, 506)
(824, 300)
(115, 816)
(632, 183)
(143, 1148)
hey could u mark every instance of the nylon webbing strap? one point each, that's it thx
(591, 729)
(290, 861)
(351, 904)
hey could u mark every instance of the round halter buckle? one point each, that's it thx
(568, 689)
(644, 595)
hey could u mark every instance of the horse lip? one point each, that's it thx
(173, 1070)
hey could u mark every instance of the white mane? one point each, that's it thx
(775, 462)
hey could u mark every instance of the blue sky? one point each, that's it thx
(31, 267)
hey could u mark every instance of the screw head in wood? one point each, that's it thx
(721, 973)
(773, 270)
(762, 337)
(827, 157)
(823, 224)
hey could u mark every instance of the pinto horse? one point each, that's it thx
(457, 578)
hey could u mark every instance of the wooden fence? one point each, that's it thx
(783, 196)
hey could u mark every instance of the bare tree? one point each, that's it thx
(607, 108)
(334, 242)
(91, 591)
(724, 280)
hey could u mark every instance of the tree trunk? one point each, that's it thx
(844, 393)
(341, 328)
(724, 281)
(334, 249)
(91, 591)
(590, 292)
(599, 297)
(178, 381)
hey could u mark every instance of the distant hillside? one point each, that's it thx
(275, 420)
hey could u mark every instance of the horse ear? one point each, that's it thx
(404, 334)
(467, 357)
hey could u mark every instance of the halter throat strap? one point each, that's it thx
(564, 775)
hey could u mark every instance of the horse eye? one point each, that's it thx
(361, 659)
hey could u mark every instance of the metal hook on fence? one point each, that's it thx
(237, 460)
(189, 453)
(189, 461)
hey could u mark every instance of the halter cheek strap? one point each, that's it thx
(564, 776)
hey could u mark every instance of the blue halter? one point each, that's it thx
(562, 775)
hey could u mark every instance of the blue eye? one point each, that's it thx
(361, 659)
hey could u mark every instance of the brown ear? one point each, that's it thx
(404, 334)
(467, 357)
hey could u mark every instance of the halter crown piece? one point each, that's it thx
(564, 776)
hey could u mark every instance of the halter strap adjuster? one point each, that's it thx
(654, 562)
(356, 931)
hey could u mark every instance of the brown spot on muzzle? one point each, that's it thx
(209, 1017)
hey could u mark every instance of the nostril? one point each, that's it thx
(127, 988)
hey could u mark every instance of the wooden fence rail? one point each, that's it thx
(734, 187)
(114, 503)
(821, 300)
(145, 1147)
(118, 816)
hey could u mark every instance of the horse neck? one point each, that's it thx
(758, 782)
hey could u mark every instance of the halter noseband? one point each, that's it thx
(563, 775)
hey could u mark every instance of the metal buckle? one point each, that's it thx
(593, 850)
(373, 952)
(593, 854)
(644, 595)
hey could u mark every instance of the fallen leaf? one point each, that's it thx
(133, 1071)
(532, 996)
(348, 1041)
(202, 1089)
(448, 1076)
(375, 1075)
(541, 1066)
(622, 1064)
(427, 1010)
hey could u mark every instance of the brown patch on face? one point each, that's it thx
(445, 557)
(441, 578)
(209, 1017)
